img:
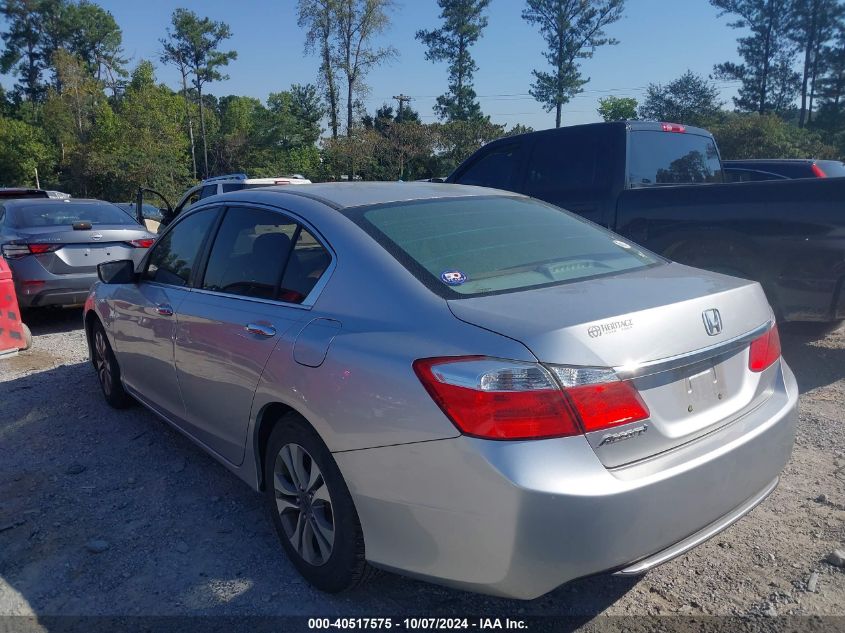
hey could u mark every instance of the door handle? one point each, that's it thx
(164, 309)
(261, 329)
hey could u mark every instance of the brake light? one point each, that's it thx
(818, 172)
(502, 399)
(16, 251)
(142, 243)
(673, 127)
(39, 249)
(765, 350)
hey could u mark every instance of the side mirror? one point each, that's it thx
(118, 272)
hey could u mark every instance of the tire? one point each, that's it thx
(108, 371)
(325, 541)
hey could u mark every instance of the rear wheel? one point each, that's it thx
(311, 508)
(108, 371)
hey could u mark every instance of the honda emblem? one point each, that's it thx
(712, 321)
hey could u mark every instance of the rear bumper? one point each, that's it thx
(518, 519)
(37, 287)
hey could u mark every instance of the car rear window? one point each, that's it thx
(462, 247)
(66, 213)
(672, 158)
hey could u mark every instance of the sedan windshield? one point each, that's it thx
(65, 213)
(483, 245)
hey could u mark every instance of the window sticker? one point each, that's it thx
(453, 277)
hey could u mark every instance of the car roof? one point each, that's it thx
(20, 203)
(344, 195)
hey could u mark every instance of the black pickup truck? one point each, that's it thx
(661, 185)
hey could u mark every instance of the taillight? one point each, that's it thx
(502, 399)
(601, 400)
(15, 251)
(39, 249)
(673, 127)
(142, 243)
(765, 350)
(818, 172)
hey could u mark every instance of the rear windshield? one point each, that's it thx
(481, 245)
(672, 158)
(65, 214)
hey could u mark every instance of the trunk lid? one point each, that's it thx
(651, 326)
(82, 250)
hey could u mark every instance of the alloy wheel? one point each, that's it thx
(101, 361)
(304, 504)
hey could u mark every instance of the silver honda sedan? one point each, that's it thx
(459, 384)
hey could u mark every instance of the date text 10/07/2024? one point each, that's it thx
(420, 623)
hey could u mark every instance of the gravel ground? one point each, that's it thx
(114, 513)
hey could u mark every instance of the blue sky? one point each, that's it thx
(659, 40)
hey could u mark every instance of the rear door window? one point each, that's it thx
(264, 254)
(672, 158)
(250, 253)
(174, 256)
(577, 160)
(498, 168)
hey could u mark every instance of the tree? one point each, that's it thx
(689, 99)
(28, 47)
(617, 108)
(23, 149)
(173, 55)
(197, 40)
(769, 83)
(94, 36)
(814, 23)
(357, 23)
(141, 143)
(317, 17)
(765, 136)
(72, 115)
(463, 23)
(572, 30)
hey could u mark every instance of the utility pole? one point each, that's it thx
(402, 99)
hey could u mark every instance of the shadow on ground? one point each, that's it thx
(52, 320)
(183, 535)
(814, 361)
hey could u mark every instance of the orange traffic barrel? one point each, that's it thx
(14, 335)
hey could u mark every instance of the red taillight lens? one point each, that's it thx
(499, 399)
(502, 400)
(818, 172)
(606, 405)
(764, 351)
(38, 249)
(142, 243)
(673, 127)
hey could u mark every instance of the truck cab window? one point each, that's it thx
(672, 158)
(495, 169)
